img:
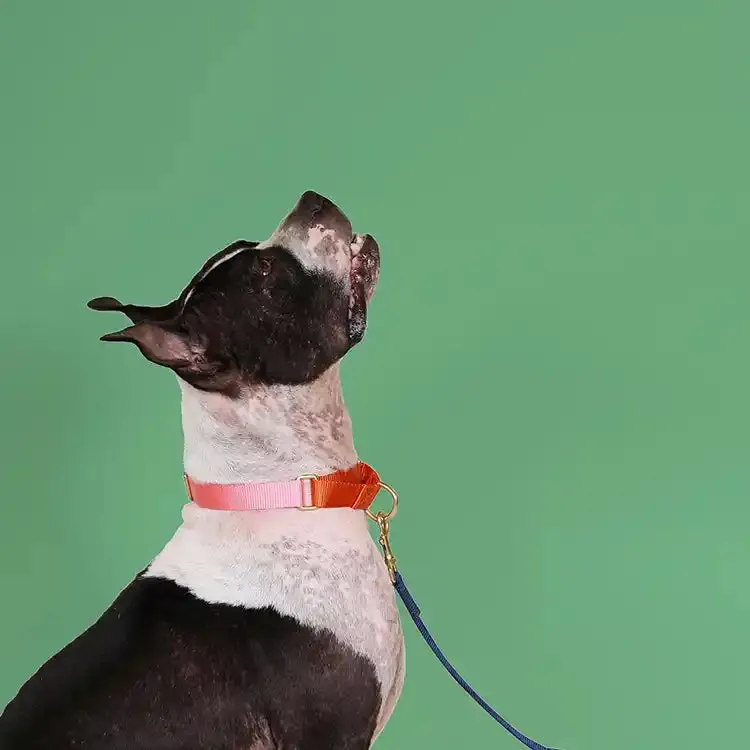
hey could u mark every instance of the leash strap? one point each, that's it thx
(413, 609)
(383, 520)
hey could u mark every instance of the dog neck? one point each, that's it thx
(270, 433)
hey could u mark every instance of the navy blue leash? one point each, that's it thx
(384, 525)
(413, 610)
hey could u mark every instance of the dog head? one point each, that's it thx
(280, 311)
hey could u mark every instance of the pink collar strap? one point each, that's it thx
(354, 488)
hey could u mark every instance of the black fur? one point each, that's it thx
(268, 318)
(163, 670)
(258, 317)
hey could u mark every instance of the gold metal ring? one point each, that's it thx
(394, 505)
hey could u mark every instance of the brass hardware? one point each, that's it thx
(383, 520)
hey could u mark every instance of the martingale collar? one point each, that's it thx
(354, 488)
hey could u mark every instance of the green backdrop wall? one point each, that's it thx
(555, 376)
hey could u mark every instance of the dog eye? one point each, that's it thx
(265, 266)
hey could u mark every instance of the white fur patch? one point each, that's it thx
(279, 432)
(317, 248)
(320, 567)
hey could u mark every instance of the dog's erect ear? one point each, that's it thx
(161, 339)
(162, 344)
(153, 333)
(136, 313)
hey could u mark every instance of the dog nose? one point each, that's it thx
(313, 209)
(314, 203)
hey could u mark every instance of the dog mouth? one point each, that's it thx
(363, 275)
(364, 265)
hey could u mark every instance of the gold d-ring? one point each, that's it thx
(394, 506)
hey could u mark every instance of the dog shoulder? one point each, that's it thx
(65, 679)
(164, 668)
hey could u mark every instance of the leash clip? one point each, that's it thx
(383, 520)
(384, 524)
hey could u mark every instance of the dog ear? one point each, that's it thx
(162, 344)
(157, 340)
(136, 313)
(161, 339)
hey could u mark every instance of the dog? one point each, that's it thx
(251, 629)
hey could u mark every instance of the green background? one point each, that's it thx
(555, 376)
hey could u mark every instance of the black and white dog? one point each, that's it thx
(250, 630)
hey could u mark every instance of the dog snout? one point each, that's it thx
(314, 203)
(314, 209)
